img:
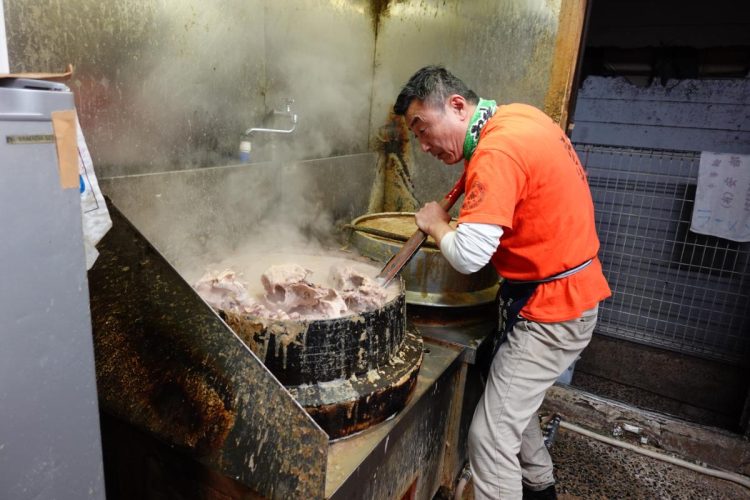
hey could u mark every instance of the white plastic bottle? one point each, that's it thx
(245, 148)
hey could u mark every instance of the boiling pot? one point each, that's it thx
(347, 372)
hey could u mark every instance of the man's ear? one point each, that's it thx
(459, 105)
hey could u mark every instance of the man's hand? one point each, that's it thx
(433, 220)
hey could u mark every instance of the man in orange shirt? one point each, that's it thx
(528, 210)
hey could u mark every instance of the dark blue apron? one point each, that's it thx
(512, 297)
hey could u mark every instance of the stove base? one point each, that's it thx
(345, 406)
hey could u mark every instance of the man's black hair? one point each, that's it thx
(433, 85)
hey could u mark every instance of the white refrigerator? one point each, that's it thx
(50, 443)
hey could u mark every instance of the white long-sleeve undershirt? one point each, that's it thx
(471, 246)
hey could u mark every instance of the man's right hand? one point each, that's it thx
(433, 220)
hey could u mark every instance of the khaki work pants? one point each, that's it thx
(506, 445)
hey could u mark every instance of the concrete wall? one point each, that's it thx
(685, 115)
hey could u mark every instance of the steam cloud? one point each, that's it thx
(208, 72)
(203, 73)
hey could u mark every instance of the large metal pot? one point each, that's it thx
(319, 350)
(348, 372)
(430, 279)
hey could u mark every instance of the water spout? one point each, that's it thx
(286, 112)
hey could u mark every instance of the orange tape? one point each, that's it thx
(66, 140)
(58, 77)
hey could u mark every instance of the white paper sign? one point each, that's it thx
(722, 198)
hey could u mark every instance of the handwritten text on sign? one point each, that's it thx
(722, 199)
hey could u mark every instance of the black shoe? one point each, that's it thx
(547, 493)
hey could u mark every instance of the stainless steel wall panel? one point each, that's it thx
(189, 214)
(321, 53)
(164, 85)
(502, 49)
(167, 364)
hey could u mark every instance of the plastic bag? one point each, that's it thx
(96, 220)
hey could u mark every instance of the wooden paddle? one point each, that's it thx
(400, 259)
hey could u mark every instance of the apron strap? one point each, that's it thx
(512, 297)
(558, 276)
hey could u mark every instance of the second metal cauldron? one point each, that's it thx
(430, 279)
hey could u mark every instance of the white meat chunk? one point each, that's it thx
(277, 278)
(287, 288)
(290, 295)
(360, 292)
(224, 291)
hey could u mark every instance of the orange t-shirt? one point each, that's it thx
(525, 176)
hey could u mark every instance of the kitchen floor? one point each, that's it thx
(586, 468)
(647, 400)
(592, 470)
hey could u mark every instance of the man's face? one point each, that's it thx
(440, 129)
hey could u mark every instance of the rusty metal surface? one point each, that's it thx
(139, 466)
(456, 449)
(567, 48)
(145, 340)
(345, 406)
(393, 189)
(383, 461)
(167, 364)
(470, 331)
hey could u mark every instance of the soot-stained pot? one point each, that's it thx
(349, 372)
(347, 405)
(430, 280)
(310, 351)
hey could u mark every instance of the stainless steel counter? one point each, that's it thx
(165, 358)
(394, 450)
(424, 446)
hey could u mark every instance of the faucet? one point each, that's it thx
(286, 112)
(246, 146)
